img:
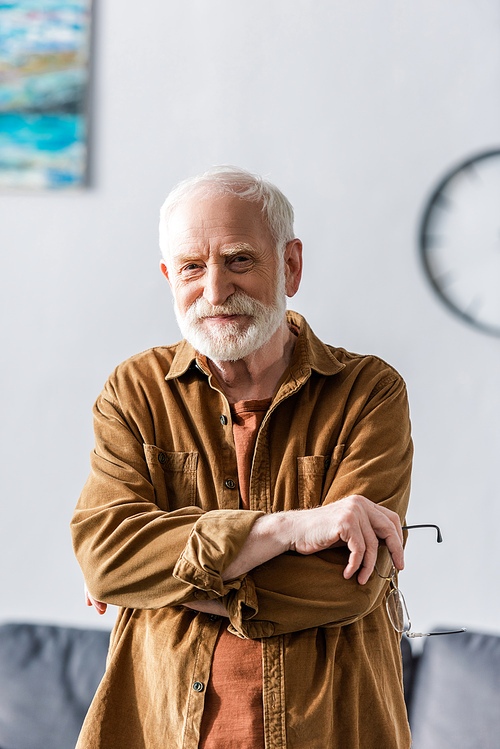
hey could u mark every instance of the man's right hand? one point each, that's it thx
(355, 521)
(358, 523)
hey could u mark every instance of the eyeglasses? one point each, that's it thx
(396, 604)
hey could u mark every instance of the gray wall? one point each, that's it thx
(354, 110)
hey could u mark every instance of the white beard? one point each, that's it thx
(231, 341)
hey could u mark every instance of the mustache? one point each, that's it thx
(238, 303)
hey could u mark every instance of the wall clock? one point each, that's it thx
(460, 240)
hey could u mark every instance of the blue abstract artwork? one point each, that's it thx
(44, 71)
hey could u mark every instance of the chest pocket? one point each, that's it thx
(312, 471)
(173, 475)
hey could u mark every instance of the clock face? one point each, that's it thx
(460, 241)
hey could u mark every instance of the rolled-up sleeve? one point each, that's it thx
(214, 542)
(134, 554)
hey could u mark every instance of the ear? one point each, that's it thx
(293, 266)
(164, 269)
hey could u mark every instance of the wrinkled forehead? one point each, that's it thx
(221, 217)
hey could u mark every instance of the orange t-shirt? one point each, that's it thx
(233, 714)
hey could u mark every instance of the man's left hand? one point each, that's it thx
(207, 607)
(99, 606)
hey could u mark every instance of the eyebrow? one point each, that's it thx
(236, 249)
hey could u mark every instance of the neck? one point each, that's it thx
(256, 376)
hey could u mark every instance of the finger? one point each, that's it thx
(370, 557)
(356, 545)
(99, 606)
(386, 523)
(393, 517)
(395, 546)
(387, 527)
(88, 599)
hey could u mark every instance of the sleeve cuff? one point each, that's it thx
(242, 606)
(214, 542)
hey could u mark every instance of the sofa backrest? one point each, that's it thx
(48, 676)
(455, 700)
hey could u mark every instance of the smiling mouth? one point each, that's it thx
(223, 318)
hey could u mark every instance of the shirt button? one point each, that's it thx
(161, 457)
(223, 420)
(230, 484)
(198, 686)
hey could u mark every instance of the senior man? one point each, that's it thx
(243, 485)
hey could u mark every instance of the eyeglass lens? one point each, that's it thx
(397, 611)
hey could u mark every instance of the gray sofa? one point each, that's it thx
(452, 691)
(48, 675)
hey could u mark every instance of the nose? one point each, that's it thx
(218, 285)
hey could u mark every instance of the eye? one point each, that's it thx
(240, 262)
(190, 269)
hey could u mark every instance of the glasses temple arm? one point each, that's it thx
(425, 525)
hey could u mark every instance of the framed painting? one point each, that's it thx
(44, 75)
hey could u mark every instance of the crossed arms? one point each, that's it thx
(355, 521)
(270, 573)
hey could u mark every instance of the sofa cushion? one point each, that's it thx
(456, 693)
(48, 676)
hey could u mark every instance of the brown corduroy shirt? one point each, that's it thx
(158, 522)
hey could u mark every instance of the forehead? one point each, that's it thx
(217, 221)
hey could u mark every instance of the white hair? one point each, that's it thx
(276, 209)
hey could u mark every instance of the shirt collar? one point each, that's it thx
(309, 354)
(185, 357)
